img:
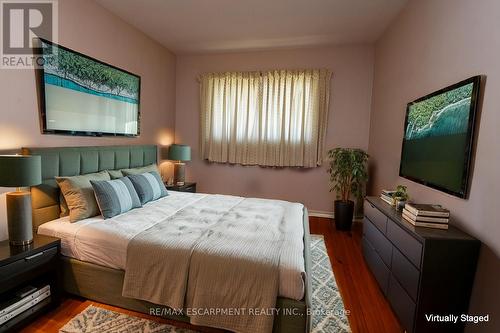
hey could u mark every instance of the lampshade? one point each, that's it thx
(179, 153)
(20, 170)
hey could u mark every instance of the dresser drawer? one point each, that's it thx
(18, 267)
(376, 216)
(377, 266)
(408, 245)
(381, 245)
(402, 304)
(406, 273)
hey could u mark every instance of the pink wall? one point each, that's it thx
(89, 28)
(351, 86)
(433, 44)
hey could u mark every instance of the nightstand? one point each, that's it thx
(187, 187)
(21, 268)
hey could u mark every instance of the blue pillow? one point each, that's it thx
(148, 186)
(115, 197)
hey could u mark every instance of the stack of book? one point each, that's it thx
(387, 195)
(429, 216)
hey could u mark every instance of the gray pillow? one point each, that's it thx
(115, 197)
(115, 174)
(148, 186)
(79, 194)
(140, 170)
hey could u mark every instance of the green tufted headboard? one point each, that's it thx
(73, 161)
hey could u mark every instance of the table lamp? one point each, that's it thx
(180, 154)
(20, 171)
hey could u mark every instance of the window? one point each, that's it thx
(273, 118)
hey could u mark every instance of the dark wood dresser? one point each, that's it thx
(421, 271)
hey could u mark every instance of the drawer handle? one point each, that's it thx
(34, 256)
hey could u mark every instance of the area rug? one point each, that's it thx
(98, 320)
(328, 313)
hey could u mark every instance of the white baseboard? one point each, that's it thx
(319, 213)
(330, 215)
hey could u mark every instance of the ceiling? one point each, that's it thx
(202, 26)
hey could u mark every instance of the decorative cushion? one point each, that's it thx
(148, 186)
(141, 170)
(79, 195)
(63, 206)
(115, 197)
(115, 174)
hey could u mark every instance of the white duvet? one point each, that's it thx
(105, 242)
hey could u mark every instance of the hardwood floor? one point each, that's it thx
(369, 310)
(72, 306)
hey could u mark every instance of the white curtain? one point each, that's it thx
(273, 118)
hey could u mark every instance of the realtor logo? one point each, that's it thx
(22, 23)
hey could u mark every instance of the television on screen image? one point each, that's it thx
(80, 95)
(438, 137)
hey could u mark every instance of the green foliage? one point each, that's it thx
(348, 172)
(401, 193)
(91, 74)
(421, 112)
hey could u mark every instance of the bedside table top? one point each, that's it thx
(186, 185)
(10, 253)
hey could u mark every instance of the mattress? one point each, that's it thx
(104, 242)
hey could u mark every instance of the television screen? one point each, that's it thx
(84, 96)
(438, 135)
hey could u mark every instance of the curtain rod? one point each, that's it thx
(261, 72)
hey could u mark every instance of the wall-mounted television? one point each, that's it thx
(438, 137)
(80, 95)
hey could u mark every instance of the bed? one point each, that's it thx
(94, 250)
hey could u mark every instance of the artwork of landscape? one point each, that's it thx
(84, 95)
(436, 139)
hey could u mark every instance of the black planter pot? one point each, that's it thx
(344, 211)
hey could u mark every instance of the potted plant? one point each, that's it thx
(400, 197)
(348, 174)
